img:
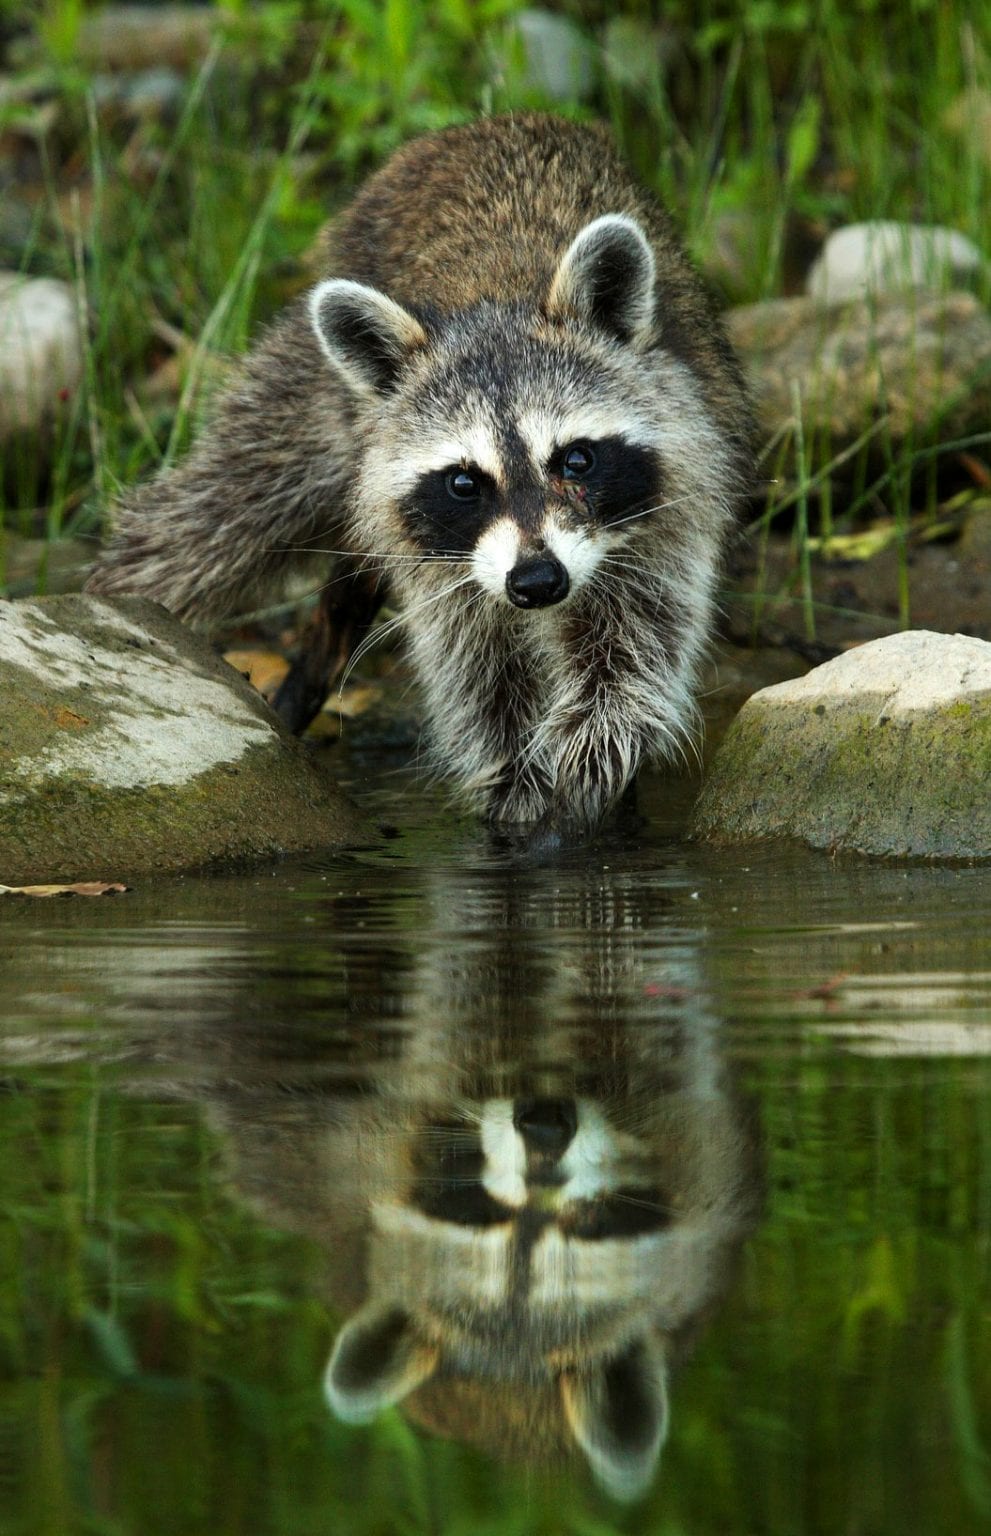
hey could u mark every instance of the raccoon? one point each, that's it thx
(530, 1181)
(511, 408)
(524, 1253)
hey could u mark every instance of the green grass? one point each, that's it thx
(794, 117)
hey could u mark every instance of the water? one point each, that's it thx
(554, 1163)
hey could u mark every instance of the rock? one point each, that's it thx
(907, 359)
(882, 257)
(41, 355)
(547, 53)
(148, 93)
(885, 750)
(128, 747)
(136, 37)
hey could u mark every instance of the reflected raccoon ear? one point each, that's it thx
(363, 334)
(618, 1414)
(607, 276)
(377, 1360)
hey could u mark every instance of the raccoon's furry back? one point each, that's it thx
(484, 210)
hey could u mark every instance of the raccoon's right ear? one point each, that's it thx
(607, 276)
(365, 335)
(377, 1360)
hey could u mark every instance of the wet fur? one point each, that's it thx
(489, 341)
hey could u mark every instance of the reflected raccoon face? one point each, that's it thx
(525, 1253)
(556, 1161)
(519, 1272)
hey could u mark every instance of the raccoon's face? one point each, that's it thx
(526, 441)
(530, 461)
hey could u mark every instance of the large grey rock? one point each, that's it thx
(885, 750)
(127, 746)
(41, 350)
(883, 256)
(135, 37)
(907, 359)
(147, 93)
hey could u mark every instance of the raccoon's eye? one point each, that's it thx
(577, 461)
(463, 485)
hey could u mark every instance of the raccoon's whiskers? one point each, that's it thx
(642, 1202)
(377, 634)
(439, 556)
(661, 506)
(622, 563)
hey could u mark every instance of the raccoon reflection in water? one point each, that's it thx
(533, 1201)
(511, 406)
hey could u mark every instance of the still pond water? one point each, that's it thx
(647, 1189)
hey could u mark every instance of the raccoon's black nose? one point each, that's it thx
(537, 583)
(548, 1125)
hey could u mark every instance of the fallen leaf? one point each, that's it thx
(857, 546)
(263, 669)
(81, 888)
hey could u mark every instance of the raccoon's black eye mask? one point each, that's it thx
(619, 479)
(450, 508)
(576, 462)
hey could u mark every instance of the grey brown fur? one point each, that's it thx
(513, 330)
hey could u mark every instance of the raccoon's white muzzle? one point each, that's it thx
(515, 570)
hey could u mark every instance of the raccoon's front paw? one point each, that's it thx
(519, 800)
(593, 771)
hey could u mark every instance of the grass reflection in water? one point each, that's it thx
(221, 1138)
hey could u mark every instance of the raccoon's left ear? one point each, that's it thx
(378, 1359)
(607, 276)
(618, 1414)
(364, 334)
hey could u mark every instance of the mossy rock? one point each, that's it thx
(128, 746)
(912, 359)
(885, 750)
